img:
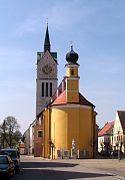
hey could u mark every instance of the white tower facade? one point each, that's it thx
(46, 81)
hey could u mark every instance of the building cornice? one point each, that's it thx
(71, 106)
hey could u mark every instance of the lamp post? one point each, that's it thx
(119, 144)
(4, 136)
(112, 147)
(112, 139)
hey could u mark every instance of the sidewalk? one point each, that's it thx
(111, 166)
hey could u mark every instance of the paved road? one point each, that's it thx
(43, 169)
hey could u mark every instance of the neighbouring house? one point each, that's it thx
(29, 139)
(105, 136)
(26, 136)
(119, 131)
(38, 138)
(31, 145)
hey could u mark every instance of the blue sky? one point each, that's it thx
(97, 29)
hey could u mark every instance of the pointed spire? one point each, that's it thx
(47, 41)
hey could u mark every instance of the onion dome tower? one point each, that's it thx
(72, 78)
(72, 57)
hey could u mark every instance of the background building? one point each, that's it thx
(111, 138)
(105, 136)
(27, 141)
(119, 132)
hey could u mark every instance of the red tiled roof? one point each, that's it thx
(121, 115)
(106, 128)
(61, 99)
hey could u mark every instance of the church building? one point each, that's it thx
(68, 120)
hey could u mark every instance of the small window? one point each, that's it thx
(72, 72)
(40, 133)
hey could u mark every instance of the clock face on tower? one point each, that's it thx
(47, 69)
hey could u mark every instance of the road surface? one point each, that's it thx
(44, 169)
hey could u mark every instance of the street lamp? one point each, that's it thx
(119, 144)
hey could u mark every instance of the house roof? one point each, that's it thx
(121, 115)
(84, 101)
(103, 131)
(61, 99)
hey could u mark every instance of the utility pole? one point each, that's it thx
(119, 144)
(4, 134)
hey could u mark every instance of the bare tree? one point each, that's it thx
(10, 134)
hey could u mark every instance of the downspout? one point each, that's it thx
(93, 133)
(44, 143)
(92, 152)
(49, 131)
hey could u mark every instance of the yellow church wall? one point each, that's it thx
(95, 135)
(72, 123)
(59, 127)
(45, 132)
(80, 128)
(86, 130)
(73, 127)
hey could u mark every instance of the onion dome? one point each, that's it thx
(72, 57)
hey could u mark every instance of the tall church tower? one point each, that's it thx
(46, 81)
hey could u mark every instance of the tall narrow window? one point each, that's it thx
(42, 89)
(50, 89)
(47, 89)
